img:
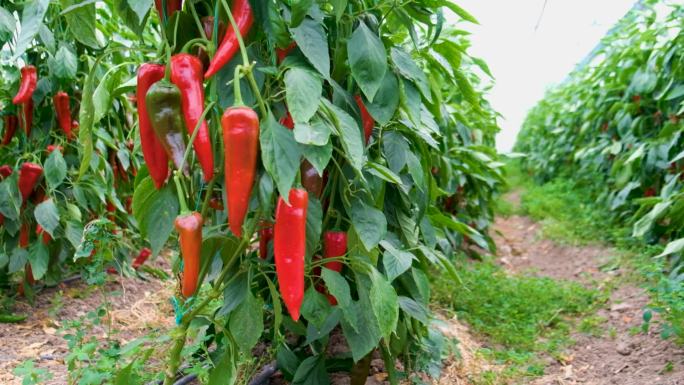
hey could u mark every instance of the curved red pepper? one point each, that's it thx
(141, 258)
(289, 247)
(26, 121)
(189, 229)
(29, 175)
(171, 7)
(242, 13)
(155, 156)
(265, 236)
(186, 74)
(241, 141)
(11, 123)
(29, 79)
(366, 118)
(63, 112)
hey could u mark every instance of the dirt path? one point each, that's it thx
(619, 353)
(136, 306)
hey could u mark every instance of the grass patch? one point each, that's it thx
(522, 315)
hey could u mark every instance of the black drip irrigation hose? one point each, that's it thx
(264, 374)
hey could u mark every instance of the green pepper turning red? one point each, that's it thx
(241, 142)
(153, 151)
(163, 102)
(186, 74)
(311, 180)
(242, 13)
(189, 227)
(29, 79)
(289, 247)
(63, 112)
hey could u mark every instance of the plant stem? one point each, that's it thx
(175, 354)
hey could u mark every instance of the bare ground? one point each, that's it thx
(620, 353)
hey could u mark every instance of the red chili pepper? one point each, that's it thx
(334, 245)
(366, 118)
(289, 246)
(216, 204)
(189, 229)
(53, 147)
(171, 7)
(155, 156)
(63, 112)
(26, 120)
(5, 171)
(115, 168)
(241, 142)
(141, 258)
(24, 235)
(287, 121)
(11, 123)
(186, 74)
(283, 52)
(129, 205)
(46, 236)
(312, 182)
(29, 79)
(242, 13)
(208, 26)
(265, 236)
(29, 175)
(111, 209)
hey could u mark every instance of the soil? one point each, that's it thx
(136, 307)
(620, 353)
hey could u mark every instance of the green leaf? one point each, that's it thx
(155, 212)
(303, 89)
(55, 169)
(312, 372)
(234, 294)
(18, 260)
(31, 20)
(313, 42)
(7, 26)
(317, 133)
(338, 287)
(82, 21)
(369, 223)
(280, 154)
(318, 156)
(350, 133)
(367, 59)
(386, 101)
(39, 257)
(415, 309)
(47, 216)
(133, 13)
(314, 224)
(458, 10)
(47, 38)
(225, 371)
(410, 70)
(395, 261)
(104, 92)
(385, 305)
(10, 198)
(65, 64)
(672, 248)
(300, 8)
(367, 337)
(247, 323)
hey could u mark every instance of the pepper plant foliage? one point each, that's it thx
(620, 119)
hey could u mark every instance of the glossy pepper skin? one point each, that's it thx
(242, 12)
(29, 175)
(11, 123)
(186, 74)
(153, 151)
(189, 228)
(141, 258)
(334, 245)
(164, 109)
(289, 246)
(29, 79)
(26, 119)
(241, 142)
(171, 7)
(265, 236)
(63, 112)
(312, 182)
(366, 118)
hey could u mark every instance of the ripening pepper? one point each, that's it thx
(164, 109)
(289, 247)
(366, 118)
(265, 236)
(282, 53)
(63, 112)
(186, 74)
(11, 123)
(171, 7)
(153, 151)
(334, 246)
(29, 175)
(242, 13)
(29, 79)
(311, 180)
(141, 258)
(189, 227)
(26, 117)
(241, 142)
